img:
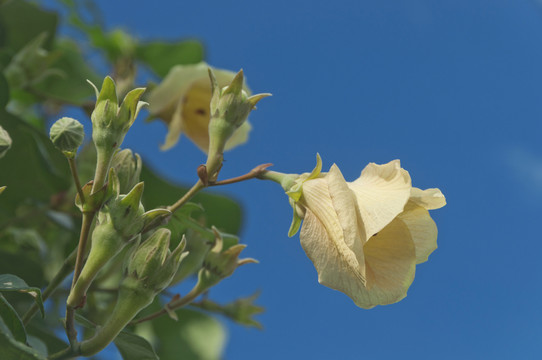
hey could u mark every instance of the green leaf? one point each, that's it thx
(4, 91)
(12, 320)
(134, 347)
(44, 333)
(220, 211)
(22, 21)
(32, 170)
(71, 85)
(11, 349)
(10, 283)
(24, 266)
(162, 56)
(37, 345)
(196, 336)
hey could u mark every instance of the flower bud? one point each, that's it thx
(221, 263)
(153, 264)
(67, 135)
(182, 100)
(2, 188)
(111, 122)
(5, 142)
(125, 213)
(128, 168)
(230, 107)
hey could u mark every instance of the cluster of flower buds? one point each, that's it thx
(149, 270)
(120, 222)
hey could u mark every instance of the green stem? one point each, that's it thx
(75, 175)
(88, 217)
(61, 274)
(103, 163)
(193, 190)
(284, 180)
(128, 305)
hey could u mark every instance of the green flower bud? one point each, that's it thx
(220, 263)
(230, 107)
(67, 135)
(5, 142)
(2, 188)
(153, 264)
(111, 122)
(125, 212)
(128, 168)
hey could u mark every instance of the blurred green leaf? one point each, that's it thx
(71, 85)
(220, 211)
(11, 349)
(12, 320)
(37, 345)
(162, 56)
(4, 91)
(10, 283)
(22, 265)
(47, 336)
(32, 170)
(22, 21)
(134, 347)
(196, 336)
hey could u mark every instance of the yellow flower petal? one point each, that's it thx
(332, 204)
(381, 192)
(334, 269)
(422, 228)
(391, 264)
(430, 199)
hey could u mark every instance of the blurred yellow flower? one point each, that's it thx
(182, 101)
(365, 237)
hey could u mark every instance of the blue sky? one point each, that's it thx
(452, 88)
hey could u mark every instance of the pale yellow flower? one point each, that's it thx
(365, 237)
(182, 101)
